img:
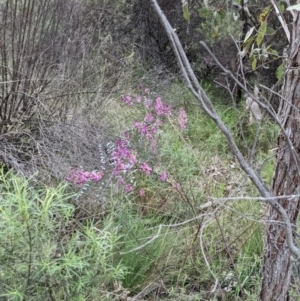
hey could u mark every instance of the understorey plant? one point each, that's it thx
(132, 164)
(45, 254)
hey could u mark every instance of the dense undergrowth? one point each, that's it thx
(153, 221)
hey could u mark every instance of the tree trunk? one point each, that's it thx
(277, 261)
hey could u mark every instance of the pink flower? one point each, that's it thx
(147, 90)
(96, 176)
(137, 124)
(146, 168)
(120, 181)
(176, 185)
(143, 130)
(150, 134)
(182, 119)
(127, 99)
(138, 99)
(160, 108)
(132, 158)
(123, 158)
(163, 176)
(128, 188)
(142, 192)
(149, 118)
(79, 177)
(127, 134)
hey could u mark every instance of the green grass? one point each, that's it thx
(55, 249)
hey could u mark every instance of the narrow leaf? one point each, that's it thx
(248, 43)
(254, 63)
(261, 32)
(186, 12)
(279, 72)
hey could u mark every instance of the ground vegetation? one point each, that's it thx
(115, 184)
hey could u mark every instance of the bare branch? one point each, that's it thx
(207, 106)
(281, 20)
(266, 107)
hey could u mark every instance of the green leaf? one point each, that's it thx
(186, 12)
(294, 7)
(205, 12)
(254, 63)
(261, 32)
(270, 30)
(215, 32)
(248, 43)
(281, 7)
(273, 52)
(279, 72)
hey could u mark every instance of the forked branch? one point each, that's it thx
(209, 109)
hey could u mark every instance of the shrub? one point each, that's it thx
(45, 253)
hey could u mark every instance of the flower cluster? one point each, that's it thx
(182, 119)
(149, 127)
(151, 123)
(146, 168)
(123, 158)
(123, 155)
(128, 188)
(162, 109)
(127, 99)
(79, 177)
(163, 176)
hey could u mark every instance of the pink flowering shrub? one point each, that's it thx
(123, 157)
(79, 177)
(140, 143)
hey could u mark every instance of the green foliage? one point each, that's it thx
(44, 253)
(254, 137)
(267, 162)
(261, 32)
(144, 264)
(257, 45)
(279, 71)
(188, 157)
(216, 22)
(186, 12)
(49, 251)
